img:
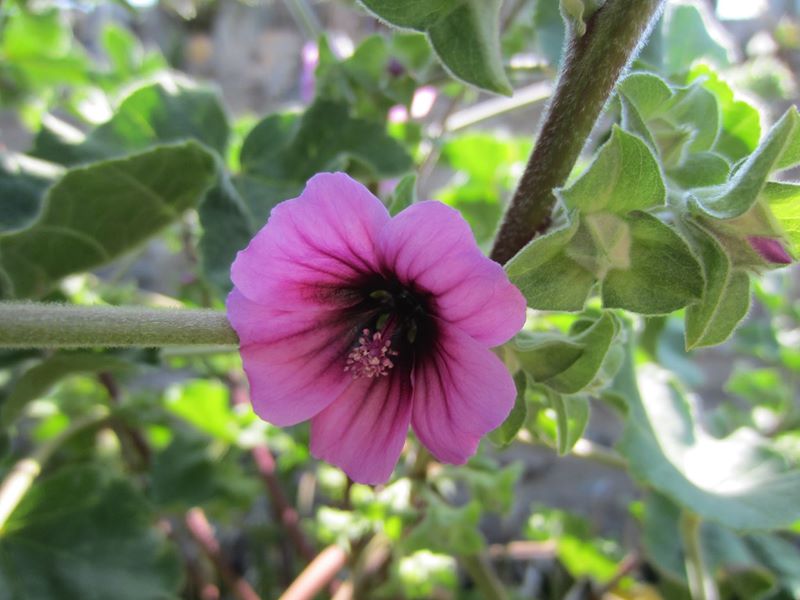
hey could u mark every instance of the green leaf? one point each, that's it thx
(155, 114)
(737, 481)
(364, 80)
(486, 171)
(505, 434)
(696, 107)
(726, 295)
(663, 275)
(567, 364)
(549, 30)
(545, 355)
(547, 277)
(206, 405)
(448, 529)
(37, 51)
(701, 169)
(92, 535)
(22, 191)
(465, 34)
(624, 176)
(783, 200)
(189, 473)
(290, 149)
(779, 150)
(136, 197)
(737, 559)
(490, 484)
(741, 122)
(687, 39)
(577, 12)
(647, 92)
(404, 195)
(595, 341)
(227, 228)
(572, 416)
(37, 380)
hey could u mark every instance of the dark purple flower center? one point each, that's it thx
(395, 323)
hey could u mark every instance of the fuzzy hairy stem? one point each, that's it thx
(592, 65)
(37, 325)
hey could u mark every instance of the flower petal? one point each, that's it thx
(313, 246)
(461, 392)
(363, 431)
(430, 246)
(294, 360)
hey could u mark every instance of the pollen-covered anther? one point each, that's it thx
(371, 357)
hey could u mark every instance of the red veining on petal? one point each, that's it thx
(371, 357)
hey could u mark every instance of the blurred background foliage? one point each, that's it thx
(157, 479)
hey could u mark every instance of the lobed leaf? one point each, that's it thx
(663, 275)
(624, 176)
(547, 277)
(92, 534)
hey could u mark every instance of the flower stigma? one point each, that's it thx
(371, 357)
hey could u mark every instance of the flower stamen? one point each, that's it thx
(371, 357)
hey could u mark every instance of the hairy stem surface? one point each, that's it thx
(37, 325)
(592, 65)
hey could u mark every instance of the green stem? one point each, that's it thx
(701, 583)
(36, 325)
(486, 580)
(591, 68)
(22, 475)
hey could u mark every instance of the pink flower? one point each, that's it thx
(367, 324)
(770, 249)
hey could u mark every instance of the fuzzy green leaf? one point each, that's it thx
(686, 39)
(136, 197)
(465, 34)
(151, 115)
(780, 149)
(22, 192)
(547, 277)
(227, 228)
(737, 481)
(505, 434)
(663, 275)
(784, 203)
(572, 416)
(624, 176)
(404, 195)
(567, 364)
(726, 296)
(702, 169)
(741, 122)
